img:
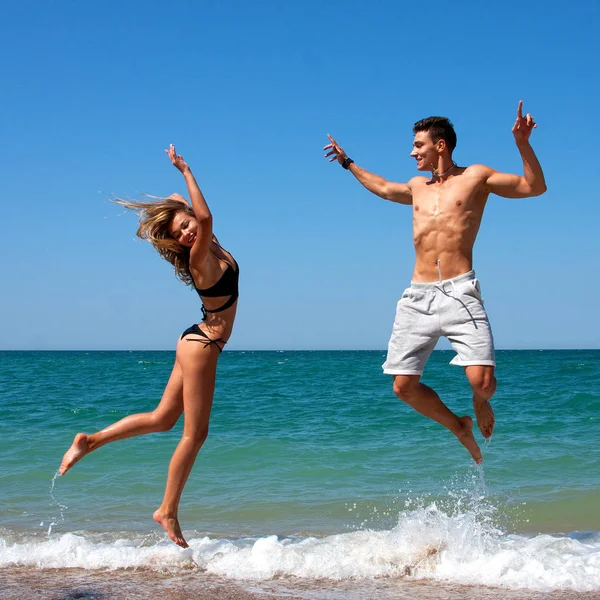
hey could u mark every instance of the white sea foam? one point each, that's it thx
(427, 544)
(76, 551)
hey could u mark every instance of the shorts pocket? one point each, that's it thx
(477, 289)
(473, 288)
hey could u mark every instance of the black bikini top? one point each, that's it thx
(226, 286)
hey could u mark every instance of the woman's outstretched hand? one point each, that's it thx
(177, 159)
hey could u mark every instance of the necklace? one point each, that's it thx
(440, 175)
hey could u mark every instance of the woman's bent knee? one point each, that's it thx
(164, 422)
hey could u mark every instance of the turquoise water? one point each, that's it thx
(308, 453)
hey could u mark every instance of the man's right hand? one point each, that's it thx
(396, 192)
(335, 151)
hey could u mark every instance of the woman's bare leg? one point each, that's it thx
(198, 365)
(163, 418)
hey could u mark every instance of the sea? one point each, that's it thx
(315, 482)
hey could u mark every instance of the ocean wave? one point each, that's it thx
(427, 544)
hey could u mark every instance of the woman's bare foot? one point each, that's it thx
(171, 526)
(79, 448)
(465, 437)
(485, 416)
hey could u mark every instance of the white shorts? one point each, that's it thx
(452, 308)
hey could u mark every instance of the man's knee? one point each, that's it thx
(405, 386)
(483, 383)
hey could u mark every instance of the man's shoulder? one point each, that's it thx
(418, 180)
(477, 170)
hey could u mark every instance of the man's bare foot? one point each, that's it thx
(485, 416)
(171, 526)
(465, 437)
(79, 448)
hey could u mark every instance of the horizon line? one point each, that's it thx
(277, 349)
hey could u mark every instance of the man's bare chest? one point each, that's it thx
(448, 200)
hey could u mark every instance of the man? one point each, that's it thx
(444, 298)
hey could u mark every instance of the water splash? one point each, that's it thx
(454, 539)
(61, 507)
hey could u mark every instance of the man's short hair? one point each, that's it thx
(439, 128)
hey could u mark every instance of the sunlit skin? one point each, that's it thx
(190, 388)
(448, 206)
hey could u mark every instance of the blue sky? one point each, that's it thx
(93, 92)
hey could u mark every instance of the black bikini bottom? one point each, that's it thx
(195, 330)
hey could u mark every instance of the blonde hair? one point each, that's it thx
(155, 219)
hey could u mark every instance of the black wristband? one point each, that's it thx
(346, 163)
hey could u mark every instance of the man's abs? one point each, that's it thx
(446, 219)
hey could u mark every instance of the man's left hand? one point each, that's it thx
(523, 126)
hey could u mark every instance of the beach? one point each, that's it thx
(315, 482)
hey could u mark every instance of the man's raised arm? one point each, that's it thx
(532, 182)
(396, 192)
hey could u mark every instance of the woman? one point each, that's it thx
(183, 236)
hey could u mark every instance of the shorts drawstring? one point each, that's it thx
(442, 288)
(452, 295)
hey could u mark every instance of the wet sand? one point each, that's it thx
(77, 584)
